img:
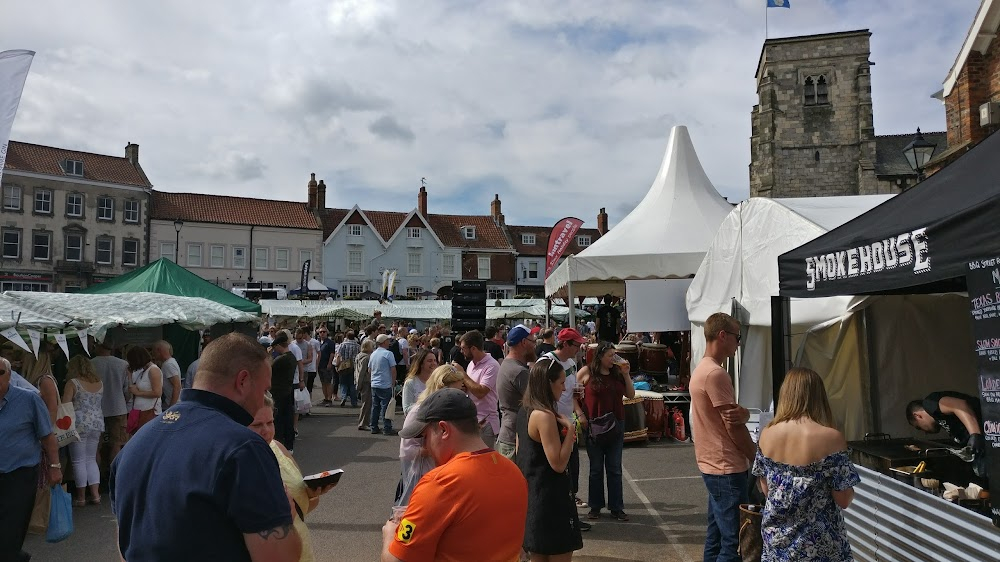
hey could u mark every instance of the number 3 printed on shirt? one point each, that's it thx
(404, 533)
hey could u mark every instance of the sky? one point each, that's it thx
(560, 107)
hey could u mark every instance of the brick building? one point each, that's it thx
(532, 244)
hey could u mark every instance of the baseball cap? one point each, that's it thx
(536, 329)
(447, 404)
(517, 334)
(382, 337)
(569, 334)
(414, 331)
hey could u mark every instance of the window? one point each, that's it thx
(469, 232)
(194, 255)
(131, 211)
(74, 205)
(72, 288)
(816, 91)
(43, 201)
(493, 294)
(281, 258)
(354, 229)
(414, 263)
(217, 256)
(73, 167)
(41, 246)
(413, 232)
(130, 251)
(239, 257)
(12, 197)
(260, 258)
(484, 268)
(12, 243)
(105, 250)
(414, 292)
(353, 289)
(532, 272)
(354, 264)
(583, 240)
(304, 256)
(74, 247)
(24, 286)
(167, 250)
(448, 264)
(528, 239)
(105, 209)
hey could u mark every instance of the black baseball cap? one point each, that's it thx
(447, 404)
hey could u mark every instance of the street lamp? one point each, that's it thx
(178, 224)
(918, 153)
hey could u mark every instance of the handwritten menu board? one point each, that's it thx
(983, 281)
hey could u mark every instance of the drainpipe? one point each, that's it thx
(250, 257)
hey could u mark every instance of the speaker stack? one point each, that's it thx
(468, 306)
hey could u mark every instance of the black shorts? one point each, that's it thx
(326, 376)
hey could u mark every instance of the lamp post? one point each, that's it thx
(918, 153)
(178, 224)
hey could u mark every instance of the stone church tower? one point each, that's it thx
(812, 129)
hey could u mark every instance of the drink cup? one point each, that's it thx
(397, 513)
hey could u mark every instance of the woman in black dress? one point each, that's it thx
(544, 444)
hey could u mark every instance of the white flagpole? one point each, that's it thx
(765, 20)
(14, 67)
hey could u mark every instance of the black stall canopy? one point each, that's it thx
(922, 240)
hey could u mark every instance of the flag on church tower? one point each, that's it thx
(778, 4)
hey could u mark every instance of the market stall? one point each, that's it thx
(939, 237)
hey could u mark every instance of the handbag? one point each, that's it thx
(136, 417)
(60, 516)
(751, 541)
(40, 512)
(602, 428)
(65, 428)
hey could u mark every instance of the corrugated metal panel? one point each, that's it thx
(893, 522)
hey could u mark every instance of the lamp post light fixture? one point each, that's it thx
(178, 225)
(918, 153)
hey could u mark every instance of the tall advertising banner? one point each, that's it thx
(562, 234)
(14, 67)
(983, 280)
(304, 286)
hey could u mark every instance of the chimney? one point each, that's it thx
(422, 202)
(132, 153)
(495, 209)
(321, 195)
(312, 191)
(602, 222)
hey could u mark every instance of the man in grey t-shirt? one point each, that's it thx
(511, 384)
(163, 354)
(114, 375)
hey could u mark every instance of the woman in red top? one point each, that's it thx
(605, 386)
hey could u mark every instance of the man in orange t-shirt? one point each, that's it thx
(722, 443)
(452, 514)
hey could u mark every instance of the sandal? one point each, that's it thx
(594, 515)
(95, 501)
(79, 503)
(619, 515)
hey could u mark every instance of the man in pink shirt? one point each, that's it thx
(481, 384)
(722, 443)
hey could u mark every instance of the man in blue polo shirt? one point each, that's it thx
(196, 483)
(26, 428)
(382, 364)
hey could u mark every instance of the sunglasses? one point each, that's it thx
(738, 336)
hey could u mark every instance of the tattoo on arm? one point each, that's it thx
(278, 532)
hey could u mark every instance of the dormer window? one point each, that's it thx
(469, 232)
(355, 230)
(528, 239)
(583, 240)
(73, 167)
(413, 232)
(816, 92)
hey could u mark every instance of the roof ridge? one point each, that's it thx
(912, 134)
(157, 191)
(67, 149)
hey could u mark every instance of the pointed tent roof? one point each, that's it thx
(166, 277)
(665, 236)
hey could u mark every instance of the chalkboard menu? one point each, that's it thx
(983, 281)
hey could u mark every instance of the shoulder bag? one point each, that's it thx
(751, 541)
(65, 427)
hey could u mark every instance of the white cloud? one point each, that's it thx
(560, 107)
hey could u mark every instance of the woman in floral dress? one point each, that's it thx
(804, 469)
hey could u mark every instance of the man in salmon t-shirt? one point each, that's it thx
(722, 443)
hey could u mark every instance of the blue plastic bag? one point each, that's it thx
(60, 516)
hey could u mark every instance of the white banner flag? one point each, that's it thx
(84, 341)
(36, 339)
(14, 67)
(12, 335)
(61, 340)
(392, 285)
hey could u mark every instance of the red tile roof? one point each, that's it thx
(198, 207)
(541, 245)
(331, 218)
(386, 223)
(489, 235)
(25, 157)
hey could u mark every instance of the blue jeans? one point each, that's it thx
(725, 494)
(606, 458)
(347, 389)
(380, 403)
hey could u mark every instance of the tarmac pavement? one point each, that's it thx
(664, 497)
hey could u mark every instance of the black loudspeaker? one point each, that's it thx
(468, 306)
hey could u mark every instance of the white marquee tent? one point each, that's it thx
(665, 236)
(828, 334)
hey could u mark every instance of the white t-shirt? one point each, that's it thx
(297, 352)
(404, 348)
(565, 404)
(171, 372)
(314, 343)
